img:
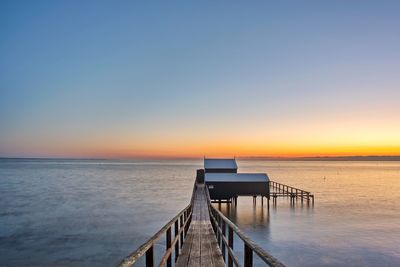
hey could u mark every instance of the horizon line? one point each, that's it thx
(276, 158)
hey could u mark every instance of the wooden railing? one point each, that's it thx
(278, 189)
(224, 230)
(180, 225)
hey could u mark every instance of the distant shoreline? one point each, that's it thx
(322, 158)
(327, 158)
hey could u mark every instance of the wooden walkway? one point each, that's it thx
(200, 247)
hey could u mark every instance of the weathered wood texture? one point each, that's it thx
(200, 247)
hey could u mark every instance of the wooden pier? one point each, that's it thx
(200, 247)
(203, 236)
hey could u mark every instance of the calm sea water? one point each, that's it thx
(95, 212)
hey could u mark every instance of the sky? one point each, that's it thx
(199, 78)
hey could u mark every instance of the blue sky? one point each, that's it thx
(86, 78)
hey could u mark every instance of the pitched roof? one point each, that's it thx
(220, 164)
(236, 177)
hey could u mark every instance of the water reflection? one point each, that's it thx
(255, 215)
(93, 213)
(356, 208)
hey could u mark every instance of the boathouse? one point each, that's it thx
(220, 166)
(229, 185)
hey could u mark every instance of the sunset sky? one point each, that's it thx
(194, 78)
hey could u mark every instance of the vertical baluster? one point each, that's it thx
(219, 227)
(168, 245)
(248, 256)
(230, 243)
(184, 221)
(187, 218)
(176, 236)
(181, 224)
(150, 257)
(222, 241)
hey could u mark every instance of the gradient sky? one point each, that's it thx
(194, 78)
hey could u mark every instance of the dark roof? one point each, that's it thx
(236, 177)
(220, 164)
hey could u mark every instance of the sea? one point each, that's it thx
(59, 212)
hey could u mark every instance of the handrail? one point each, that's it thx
(293, 192)
(288, 186)
(219, 223)
(181, 224)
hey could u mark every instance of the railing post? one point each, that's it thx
(177, 243)
(230, 243)
(188, 220)
(181, 224)
(185, 218)
(219, 227)
(222, 241)
(150, 257)
(168, 245)
(248, 256)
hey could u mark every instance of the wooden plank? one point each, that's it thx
(195, 254)
(183, 258)
(206, 252)
(200, 248)
(216, 255)
(211, 250)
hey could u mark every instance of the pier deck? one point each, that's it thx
(200, 247)
(200, 235)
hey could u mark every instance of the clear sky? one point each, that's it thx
(194, 78)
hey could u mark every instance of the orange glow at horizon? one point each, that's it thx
(218, 150)
(336, 136)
